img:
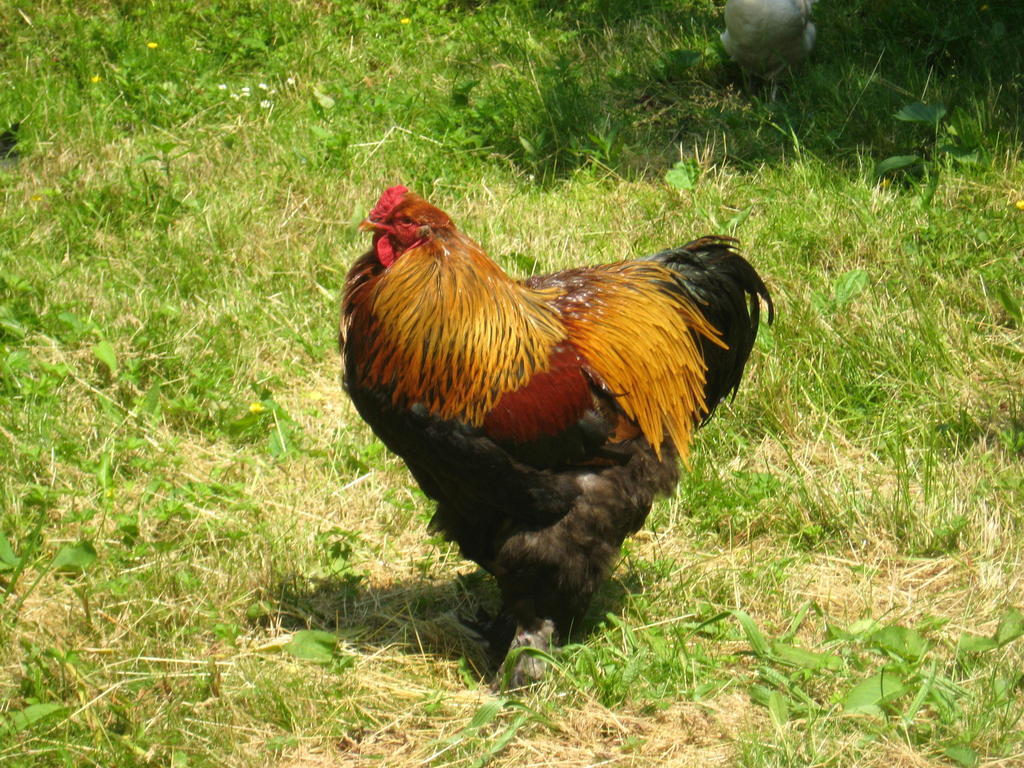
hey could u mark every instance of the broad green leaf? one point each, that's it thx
(14, 282)
(59, 371)
(150, 402)
(32, 714)
(1011, 626)
(931, 185)
(961, 154)
(313, 645)
(774, 677)
(321, 133)
(895, 163)
(487, 712)
(461, 92)
(501, 741)
(800, 657)
(676, 61)
(849, 285)
(683, 175)
(8, 560)
(280, 440)
(757, 640)
(105, 472)
(256, 43)
(798, 618)
(862, 627)
(961, 754)
(778, 707)
(900, 641)
(104, 352)
(73, 559)
(869, 696)
(1010, 304)
(712, 620)
(76, 326)
(483, 716)
(759, 694)
(10, 324)
(243, 424)
(164, 147)
(259, 609)
(925, 689)
(821, 302)
(975, 643)
(922, 113)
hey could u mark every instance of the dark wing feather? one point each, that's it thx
(728, 292)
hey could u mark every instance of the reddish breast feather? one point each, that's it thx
(550, 403)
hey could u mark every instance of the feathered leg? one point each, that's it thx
(527, 668)
(543, 610)
(537, 626)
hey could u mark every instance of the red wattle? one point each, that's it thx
(385, 251)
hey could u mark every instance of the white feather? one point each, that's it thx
(767, 36)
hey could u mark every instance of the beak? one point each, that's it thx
(366, 225)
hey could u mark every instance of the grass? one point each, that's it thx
(207, 559)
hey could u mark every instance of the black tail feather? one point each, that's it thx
(728, 292)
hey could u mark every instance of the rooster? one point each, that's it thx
(544, 415)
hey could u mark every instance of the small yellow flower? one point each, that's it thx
(405, 21)
(983, 8)
(1020, 205)
(884, 183)
(36, 198)
(151, 45)
(95, 78)
(256, 407)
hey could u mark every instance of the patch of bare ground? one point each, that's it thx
(683, 734)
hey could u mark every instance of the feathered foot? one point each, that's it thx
(528, 668)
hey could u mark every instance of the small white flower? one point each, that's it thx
(290, 81)
(266, 103)
(235, 96)
(222, 87)
(245, 90)
(263, 86)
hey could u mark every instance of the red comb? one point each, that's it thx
(392, 197)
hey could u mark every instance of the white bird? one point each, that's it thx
(767, 36)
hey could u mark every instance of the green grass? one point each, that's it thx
(189, 502)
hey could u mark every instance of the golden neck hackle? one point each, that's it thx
(454, 332)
